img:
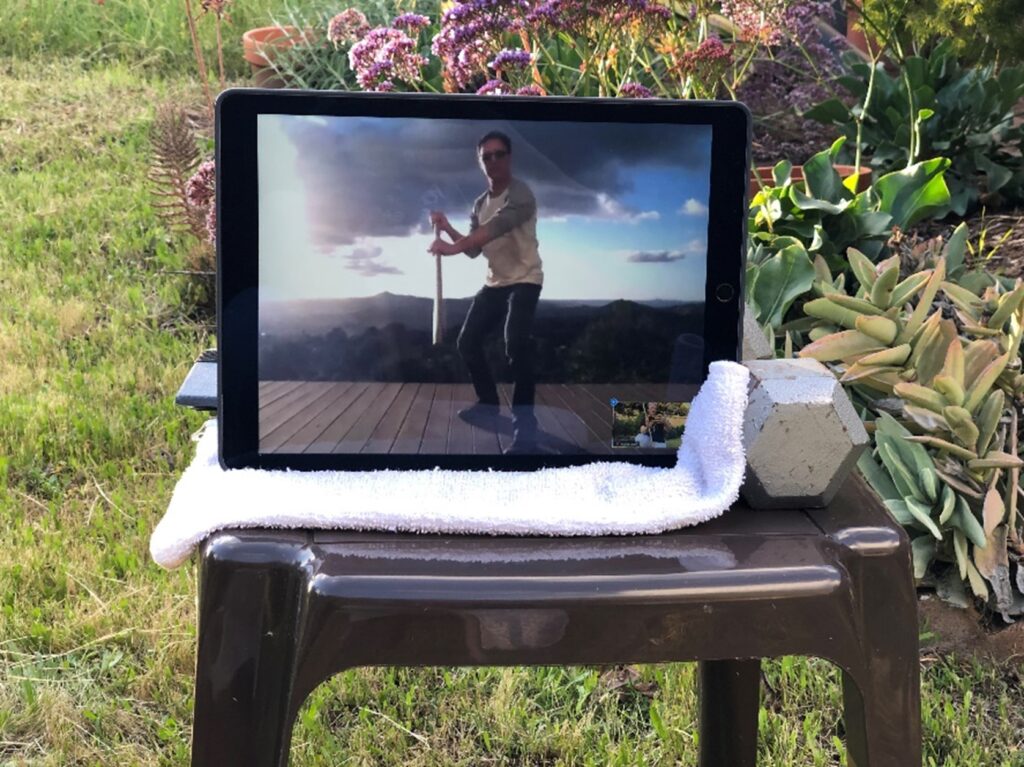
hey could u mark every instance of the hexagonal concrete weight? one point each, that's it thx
(801, 434)
(755, 344)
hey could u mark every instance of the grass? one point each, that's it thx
(97, 643)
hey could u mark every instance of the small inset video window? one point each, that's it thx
(655, 425)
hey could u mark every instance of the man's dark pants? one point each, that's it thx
(516, 305)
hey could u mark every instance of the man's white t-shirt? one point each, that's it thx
(513, 256)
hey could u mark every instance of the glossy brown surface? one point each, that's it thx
(282, 611)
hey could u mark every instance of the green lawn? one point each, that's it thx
(97, 643)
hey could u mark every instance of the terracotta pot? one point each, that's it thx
(797, 175)
(261, 44)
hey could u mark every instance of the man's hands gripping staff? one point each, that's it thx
(470, 244)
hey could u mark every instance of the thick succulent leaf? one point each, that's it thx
(1008, 304)
(920, 395)
(882, 329)
(953, 365)
(980, 387)
(923, 550)
(948, 504)
(964, 519)
(856, 304)
(824, 309)
(995, 459)
(977, 582)
(901, 513)
(881, 291)
(925, 418)
(949, 388)
(905, 482)
(956, 247)
(933, 356)
(897, 355)
(921, 512)
(924, 304)
(960, 549)
(944, 445)
(908, 288)
(877, 477)
(962, 425)
(977, 356)
(840, 346)
(988, 419)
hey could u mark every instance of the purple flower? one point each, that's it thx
(496, 87)
(530, 90)
(585, 17)
(631, 90)
(385, 54)
(413, 22)
(471, 34)
(511, 59)
(199, 189)
(347, 26)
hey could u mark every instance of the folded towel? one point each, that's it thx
(601, 498)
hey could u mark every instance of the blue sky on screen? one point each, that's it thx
(345, 202)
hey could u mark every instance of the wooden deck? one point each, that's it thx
(362, 417)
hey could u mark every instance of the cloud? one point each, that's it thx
(381, 177)
(693, 207)
(695, 247)
(364, 261)
(656, 257)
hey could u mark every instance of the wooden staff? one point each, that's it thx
(438, 310)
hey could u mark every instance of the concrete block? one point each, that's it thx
(801, 433)
(755, 344)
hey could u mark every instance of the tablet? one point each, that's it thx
(411, 281)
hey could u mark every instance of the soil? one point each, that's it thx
(963, 631)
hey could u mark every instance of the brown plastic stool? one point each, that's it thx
(282, 611)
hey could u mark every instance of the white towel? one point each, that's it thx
(601, 498)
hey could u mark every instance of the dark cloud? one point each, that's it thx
(364, 261)
(656, 257)
(380, 177)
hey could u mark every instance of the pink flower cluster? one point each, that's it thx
(707, 60)
(348, 26)
(384, 55)
(200, 192)
(631, 90)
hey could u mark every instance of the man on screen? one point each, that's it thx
(503, 226)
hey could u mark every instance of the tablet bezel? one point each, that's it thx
(237, 232)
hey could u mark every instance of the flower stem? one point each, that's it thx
(198, 51)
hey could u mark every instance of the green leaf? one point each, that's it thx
(830, 111)
(878, 477)
(923, 550)
(821, 178)
(900, 513)
(804, 202)
(914, 193)
(956, 245)
(965, 520)
(781, 172)
(960, 549)
(921, 512)
(782, 279)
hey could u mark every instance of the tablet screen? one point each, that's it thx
(478, 287)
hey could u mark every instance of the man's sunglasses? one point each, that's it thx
(499, 154)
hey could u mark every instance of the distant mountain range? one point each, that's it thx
(355, 315)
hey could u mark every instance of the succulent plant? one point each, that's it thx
(948, 379)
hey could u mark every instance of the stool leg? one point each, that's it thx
(729, 700)
(248, 624)
(882, 712)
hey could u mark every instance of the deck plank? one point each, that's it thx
(388, 428)
(307, 424)
(435, 435)
(410, 433)
(278, 413)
